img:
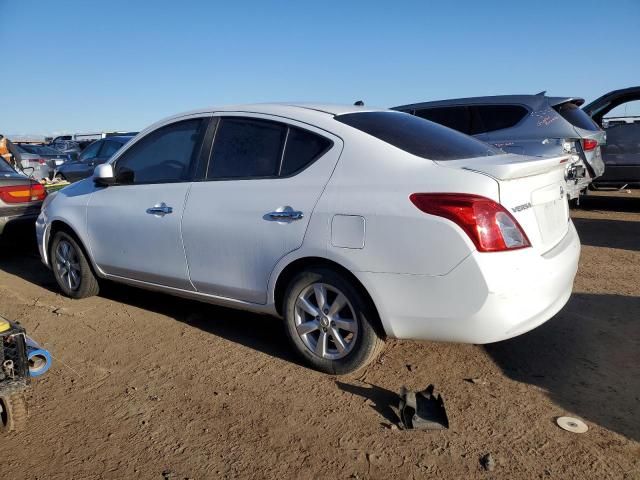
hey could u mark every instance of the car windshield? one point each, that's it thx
(576, 116)
(418, 136)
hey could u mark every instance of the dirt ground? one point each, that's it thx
(145, 385)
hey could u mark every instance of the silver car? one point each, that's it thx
(529, 125)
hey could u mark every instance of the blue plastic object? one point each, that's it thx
(39, 358)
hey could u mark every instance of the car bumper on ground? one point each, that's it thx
(488, 297)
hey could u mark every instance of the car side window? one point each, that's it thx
(458, 118)
(246, 148)
(489, 118)
(109, 147)
(91, 151)
(302, 148)
(165, 155)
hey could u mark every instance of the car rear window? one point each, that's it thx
(458, 118)
(418, 136)
(497, 117)
(576, 116)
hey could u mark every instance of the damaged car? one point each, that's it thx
(535, 125)
(352, 224)
(618, 113)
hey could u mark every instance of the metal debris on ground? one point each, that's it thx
(422, 410)
(573, 425)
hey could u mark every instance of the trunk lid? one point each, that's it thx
(532, 189)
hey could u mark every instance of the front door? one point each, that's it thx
(134, 226)
(264, 178)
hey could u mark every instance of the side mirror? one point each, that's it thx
(103, 175)
(28, 170)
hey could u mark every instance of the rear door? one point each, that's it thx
(253, 206)
(134, 226)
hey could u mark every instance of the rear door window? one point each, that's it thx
(418, 136)
(251, 148)
(458, 118)
(576, 116)
(246, 148)
(489, 118)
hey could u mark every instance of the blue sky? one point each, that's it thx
(120, 65)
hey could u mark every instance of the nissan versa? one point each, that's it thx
(353, 224)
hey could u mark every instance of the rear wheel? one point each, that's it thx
(71, 267)
(330, 322)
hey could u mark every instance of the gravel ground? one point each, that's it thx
(150, 386)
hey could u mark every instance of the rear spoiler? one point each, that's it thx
(509, 167)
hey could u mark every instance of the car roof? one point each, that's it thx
(534, 101)
(317, 114)
(293, 109)
(119, 138)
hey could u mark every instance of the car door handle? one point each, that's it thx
(161, 210)
(286, 215)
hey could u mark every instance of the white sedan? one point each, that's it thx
(352, 224)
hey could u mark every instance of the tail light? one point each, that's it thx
(489, 225)
(589, 144)
(41, 161)
(23, 193)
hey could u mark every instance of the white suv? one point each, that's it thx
(353, 224)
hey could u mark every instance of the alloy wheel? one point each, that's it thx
(326, 321)
(67, 265)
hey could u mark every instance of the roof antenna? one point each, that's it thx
(359, 103)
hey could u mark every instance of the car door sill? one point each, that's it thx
(203, 297)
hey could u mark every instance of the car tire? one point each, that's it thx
(13, 412)
(71, 268)
(330, 322)
(59, 177)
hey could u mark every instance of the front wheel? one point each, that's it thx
(71, 267)
(330, 322)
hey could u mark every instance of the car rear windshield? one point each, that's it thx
(418, 136)
(576, 116)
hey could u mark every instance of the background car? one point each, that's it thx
(351, 224)
(618, 113)
(95, 154)
(64, 144)
(528, 125)
(20, 197)
(53, 157)
(39, 166)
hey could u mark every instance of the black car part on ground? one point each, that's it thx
(14, 376)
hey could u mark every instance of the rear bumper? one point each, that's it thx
(10, 216)
(488, 297)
